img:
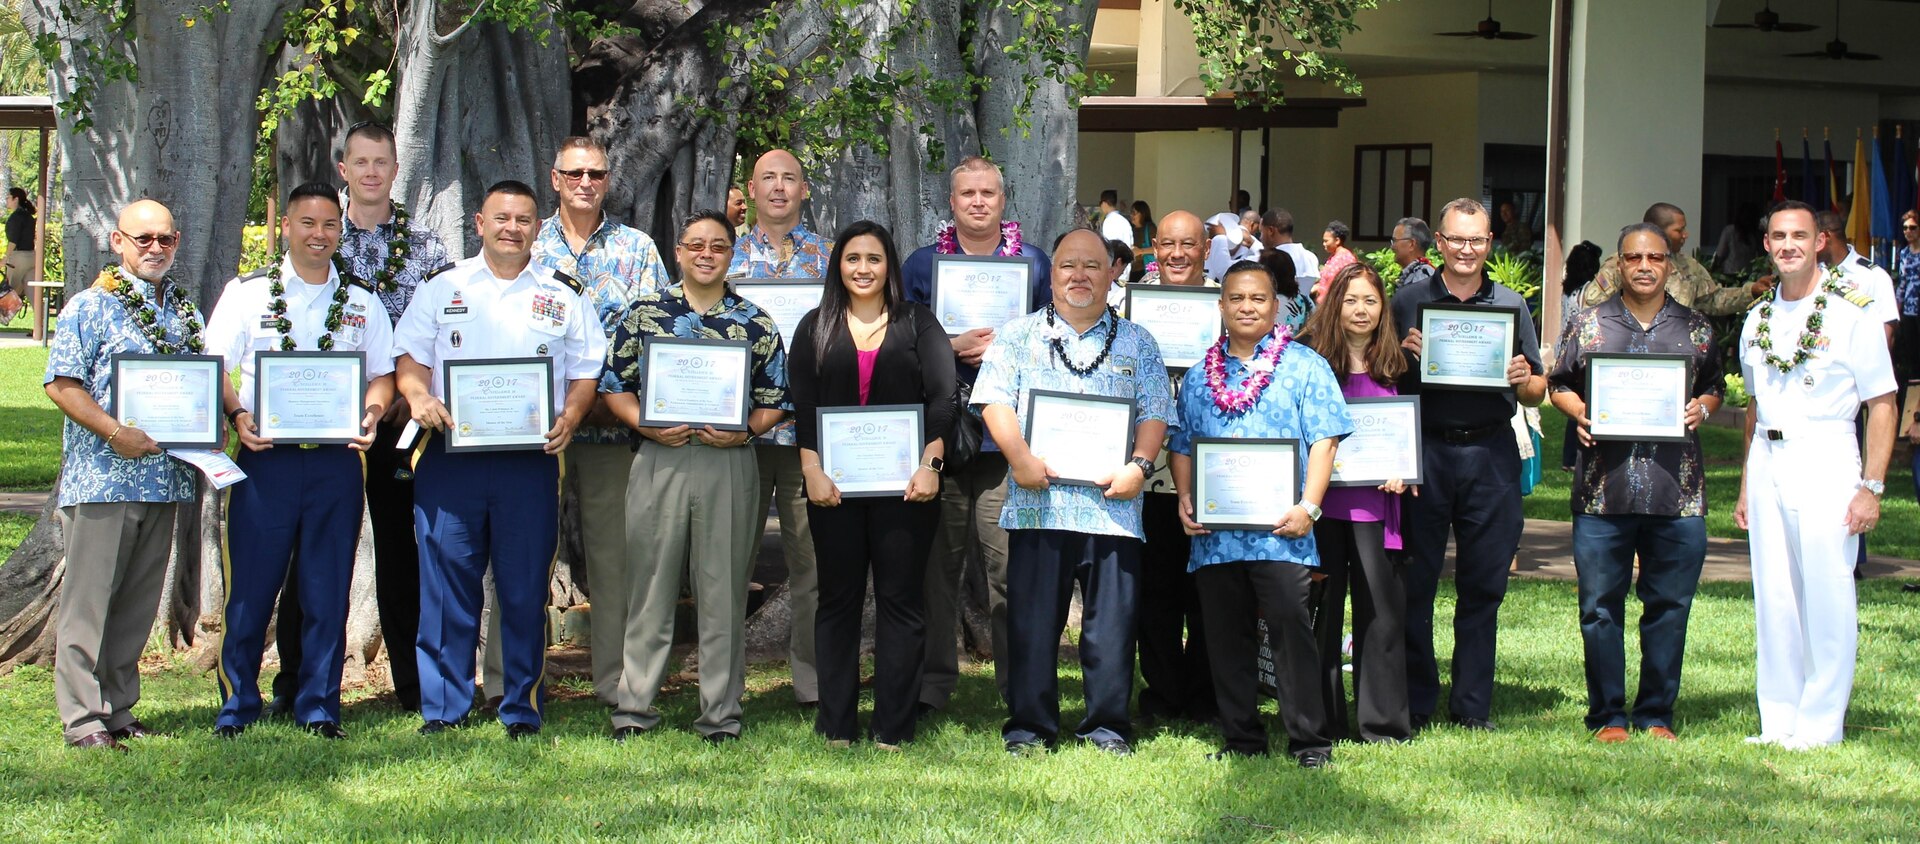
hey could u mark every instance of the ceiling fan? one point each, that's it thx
(1768, 20)
(1489, 30)
(1836, 49)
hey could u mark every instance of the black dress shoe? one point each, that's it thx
(1910, 587)
(1026, 747)
(1419, 722)
(717, 739)
(624, 733)
(280, 707)
(1113, 746)
(518, 730)
(98, 738)
(1314, 758)
(133, 730)
(435, 727)
(326, 729)
(1228, 753)
(1480, 724)
(228, 731)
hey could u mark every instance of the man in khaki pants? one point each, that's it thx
(118, 490)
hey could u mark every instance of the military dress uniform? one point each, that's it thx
(1802, 468)
(498, 506)
(297, 499)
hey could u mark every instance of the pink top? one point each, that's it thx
(1339, 261)
(1365, 503)
(866, 371)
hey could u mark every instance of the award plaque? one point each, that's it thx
(1638, 397)
(695, 382)
(309, 397)
(1244, 484)
(871, 450)
(784, 299)
(1384, 445)
(1183, 319)
(499, 404)
(972, 292)
(175, 399)
(1081, 438)
(1467, 347)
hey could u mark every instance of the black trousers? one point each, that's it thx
(1473, 490)
(396, 574)
(891, 538)
(1231, 594)
(1353, 556)
(1042, 566)
(1173, 641)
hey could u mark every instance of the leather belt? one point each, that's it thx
(1461, 436)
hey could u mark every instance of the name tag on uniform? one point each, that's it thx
(456, 309)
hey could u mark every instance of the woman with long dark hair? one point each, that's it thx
(867, 345)
(19, 264)
(1353, 329)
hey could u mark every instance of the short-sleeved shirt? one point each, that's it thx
(1850, 363)
(666, 313)
(1465, 409)
(1688, 283)
(1907, 289)
(95, 326)
(757, 256)
(1643, 478)
(1868, 286)
(1302, 402)
(365, 253)
(243, 323)
(467, 313)
(1022, 359)
(1306, 265)
(1115, 226)
(1161, 481)
(617, 264)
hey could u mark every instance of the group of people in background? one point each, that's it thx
(667, 508)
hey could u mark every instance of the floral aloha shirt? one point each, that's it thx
(756, 256)
(618, 264)
(666, 313)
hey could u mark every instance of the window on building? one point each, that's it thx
(1390, 181)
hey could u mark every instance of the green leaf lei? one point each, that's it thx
(1763, 336)
(277, 288)
(385, 278)
(148, 319)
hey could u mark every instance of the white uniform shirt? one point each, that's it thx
(1115, 227)
(243, 323)
(467, 313)
(1225, 250)
(1875, 283)
(1306, 266)
(1849, 365)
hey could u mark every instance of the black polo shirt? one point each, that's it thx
(1442, 407)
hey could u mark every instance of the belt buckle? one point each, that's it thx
(1775, 434)
(309, 445)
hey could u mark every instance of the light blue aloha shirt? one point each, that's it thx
(618, 264)
(1303, 402)
(1022, 359)
(756, 256)
(94, 327)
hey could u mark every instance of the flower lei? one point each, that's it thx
(1233, 402)
(385, 278)
(148, 319)
(277, 288)
(946, 241)
(1763, 336)
(1057, 338)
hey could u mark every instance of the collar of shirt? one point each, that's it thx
(299, 290)
(728, 301)
(1615, 309)
(143, 287)
(1441, 292)
(348, 225)
(553, 236)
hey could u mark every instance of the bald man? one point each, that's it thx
(118, 490)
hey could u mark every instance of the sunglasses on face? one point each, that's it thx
(166, 241)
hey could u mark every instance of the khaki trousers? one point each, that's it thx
(970, 504)
(781, 481)
(599, 473)
(116, 564)
(689, 508)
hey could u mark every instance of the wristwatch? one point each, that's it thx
(1878, 488)
(934, 465)
(1146, 466)
(1313, 510)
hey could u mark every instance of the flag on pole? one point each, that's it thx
(1860, 205)
(1880, 227)
(1779, 172)
(1812, 190)
(1899, 187)
(1833, 181)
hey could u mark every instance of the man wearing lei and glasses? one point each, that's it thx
(1257, 383)
(118, 491)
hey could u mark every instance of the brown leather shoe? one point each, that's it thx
(98, 738)
(1662, 733)
(1611, 735)
(134, 730)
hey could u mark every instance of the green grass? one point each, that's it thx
(29, 423)
(1539, 779)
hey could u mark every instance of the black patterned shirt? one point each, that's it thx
(365, 251)
(666, 313)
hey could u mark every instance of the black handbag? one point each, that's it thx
(963, 442)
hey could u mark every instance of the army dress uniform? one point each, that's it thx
(302, 500)
(498, 507)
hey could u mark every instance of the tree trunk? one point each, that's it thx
(29, 588)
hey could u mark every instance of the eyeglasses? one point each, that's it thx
(1655, 258)
(1909, 227)
(1465, 242)
(583, 174)
(166, 241)
(717, 247)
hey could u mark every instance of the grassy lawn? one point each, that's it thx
(1538, 779)
(29, 423)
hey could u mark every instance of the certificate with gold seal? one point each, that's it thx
(499, 404)
(972, 291)
(1244, 484)
(1638, 397)
(309, 397)
(175, 399)
(1467, 347)
(871, 450)
(696, 382)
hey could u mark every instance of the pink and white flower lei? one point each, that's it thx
(946, 240)
(1237, 401)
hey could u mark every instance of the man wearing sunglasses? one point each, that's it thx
(1688, 283)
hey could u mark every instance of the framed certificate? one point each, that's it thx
(872, 450)
(309, 397)
(1244, 484)
(175, 399)
(1384, 445)
(1081, 438)
(1466, 347)
(1641, 398)
(972, 292)
(498, 404)
(784, 299)
(1183, 319)
(695, 382)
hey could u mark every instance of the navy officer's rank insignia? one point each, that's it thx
(454, 339)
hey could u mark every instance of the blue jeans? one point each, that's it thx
(1671, 551)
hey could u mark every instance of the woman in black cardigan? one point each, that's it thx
(867, 345)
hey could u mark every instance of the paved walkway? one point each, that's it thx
(22, 502)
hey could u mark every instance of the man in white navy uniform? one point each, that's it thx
(1811, 356)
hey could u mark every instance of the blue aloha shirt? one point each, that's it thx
(94, 327)
(618, 264)
(364, 251)
(666, 313)
(1021, 359)
(756, 256)
(1907, 281)
(1302, 402)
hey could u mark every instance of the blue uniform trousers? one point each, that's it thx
(469, 509)
(304, 501)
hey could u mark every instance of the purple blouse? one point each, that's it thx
(1362, 503)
